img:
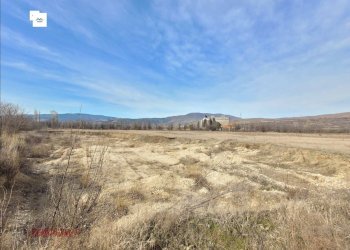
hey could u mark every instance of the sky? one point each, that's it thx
(270, 58)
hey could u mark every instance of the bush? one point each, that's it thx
(13, 118)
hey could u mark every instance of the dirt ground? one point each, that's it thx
(211, 173)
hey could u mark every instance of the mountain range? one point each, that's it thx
(179, 119)
(340, 121)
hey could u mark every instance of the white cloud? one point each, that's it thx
(202, 55)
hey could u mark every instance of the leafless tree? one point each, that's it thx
(54, 119)
(12, 118)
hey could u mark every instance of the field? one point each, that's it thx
(184, 190)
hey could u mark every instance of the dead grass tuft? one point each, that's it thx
(125, 199)
(196, 173)
(122, 206)
(40, 151)
(188, 160)
(136, 193)
(155, 139)
(297, 193)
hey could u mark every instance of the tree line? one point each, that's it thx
(13, 118)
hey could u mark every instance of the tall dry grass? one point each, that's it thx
(316, 224)
(12, 148)
(72, 199)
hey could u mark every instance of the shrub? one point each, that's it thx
(13, 118)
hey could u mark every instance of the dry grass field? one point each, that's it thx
(183, 190)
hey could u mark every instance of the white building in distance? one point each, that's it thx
(207, 121)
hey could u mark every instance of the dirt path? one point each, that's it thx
(29, 191)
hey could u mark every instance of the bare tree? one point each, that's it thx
(12, 118)
(54, 119)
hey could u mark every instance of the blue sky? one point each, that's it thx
(269, 58)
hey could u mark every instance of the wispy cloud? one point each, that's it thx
(16, 39)
(165, 57)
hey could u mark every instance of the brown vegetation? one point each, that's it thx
(313, 124)
(138, 191)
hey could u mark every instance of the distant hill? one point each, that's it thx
(180, 119)
(78, 117)
(319, 123)
(345, 115)
(327, 122)
(185, 119)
